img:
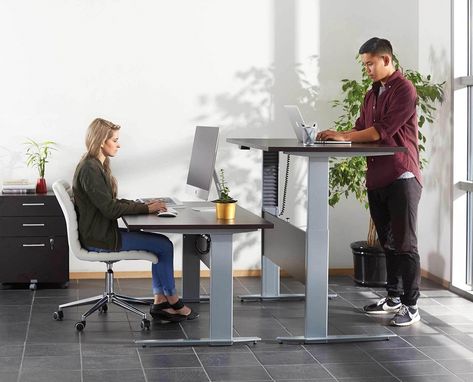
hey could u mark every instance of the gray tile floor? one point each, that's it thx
(33, 347)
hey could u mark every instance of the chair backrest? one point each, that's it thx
(65, 198)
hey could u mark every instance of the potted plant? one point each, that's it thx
(225, 205)
(347, 176)
(37, 154)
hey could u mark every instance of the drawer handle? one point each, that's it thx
(33, 224)
(32, 204)
(33, 245)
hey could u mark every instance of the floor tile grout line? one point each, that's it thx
(206, 292)
(434, 360)
(81, 359)
(263, 366)
(382, 366)
(448, 335)
(243, 285)
(281, 282)
(318, 362)
(284, 327)
(142, 366)
(201, 364)
(26, 337)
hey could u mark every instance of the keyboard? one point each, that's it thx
(168, 200)
(332, 142)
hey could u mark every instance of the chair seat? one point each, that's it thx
(117, 256)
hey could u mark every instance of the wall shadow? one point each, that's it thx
(255, 109)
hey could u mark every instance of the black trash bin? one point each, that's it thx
(369, 264)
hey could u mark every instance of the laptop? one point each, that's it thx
(295, 117)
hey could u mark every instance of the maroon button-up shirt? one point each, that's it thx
(393, 115)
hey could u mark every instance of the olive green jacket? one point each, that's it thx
(97, 209)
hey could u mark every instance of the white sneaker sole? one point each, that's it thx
(381, 312)
(414, 320)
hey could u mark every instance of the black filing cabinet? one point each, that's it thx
(33, 240)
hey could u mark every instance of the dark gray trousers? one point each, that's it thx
(394, 212)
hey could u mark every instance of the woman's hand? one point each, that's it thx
(157, 206)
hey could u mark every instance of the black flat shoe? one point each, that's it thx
(179, 305)
(156, 309)
(176, 317)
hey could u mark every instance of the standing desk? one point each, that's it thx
(191, 223)
(316, 237)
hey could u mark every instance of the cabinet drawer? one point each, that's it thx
(45, 259)
(29, 205)
(32, 226)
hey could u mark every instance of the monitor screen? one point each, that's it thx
(202, 164)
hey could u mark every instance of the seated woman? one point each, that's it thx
(95, 197)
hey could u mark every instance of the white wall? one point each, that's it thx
(160, 68)
(435, 208)
(157, 69)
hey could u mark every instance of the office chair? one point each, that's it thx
(63, 192)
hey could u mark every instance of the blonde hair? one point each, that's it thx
(98, 132)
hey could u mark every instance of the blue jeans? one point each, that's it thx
(161, 246)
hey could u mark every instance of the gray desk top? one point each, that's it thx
(188, 219)
(292, 145)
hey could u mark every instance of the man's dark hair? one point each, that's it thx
(377, 46)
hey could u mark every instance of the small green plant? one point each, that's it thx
(224, 196)
(37, 154)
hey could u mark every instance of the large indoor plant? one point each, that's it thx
(37, 154)
(347, 176)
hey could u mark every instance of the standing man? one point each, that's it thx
(388, 116)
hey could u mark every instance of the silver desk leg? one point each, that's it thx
(317, 256)
(221, 300)
(270, 285)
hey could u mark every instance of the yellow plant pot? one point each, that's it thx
(225, 211)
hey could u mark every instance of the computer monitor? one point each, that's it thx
(202, 164)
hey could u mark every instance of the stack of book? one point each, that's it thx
(18, 186)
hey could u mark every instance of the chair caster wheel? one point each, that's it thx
(80, 326)
(145, 324)
(58, 315)
(103, 309)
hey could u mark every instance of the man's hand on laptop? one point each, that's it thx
(330, 135)
(156, 206)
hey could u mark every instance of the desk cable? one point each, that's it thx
(286, 178)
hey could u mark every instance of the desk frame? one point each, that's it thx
(221, 274)
(317, 233)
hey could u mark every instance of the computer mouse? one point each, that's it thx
(167, 214)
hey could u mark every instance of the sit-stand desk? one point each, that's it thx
(316, 252)
(191, 223)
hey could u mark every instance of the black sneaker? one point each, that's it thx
(405, 317)
(383, 306)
